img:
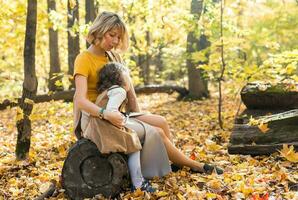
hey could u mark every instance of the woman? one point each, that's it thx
(107, 33)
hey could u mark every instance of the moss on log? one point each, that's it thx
(268, 96)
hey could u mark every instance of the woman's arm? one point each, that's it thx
(80, 99)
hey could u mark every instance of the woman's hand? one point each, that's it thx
(115, 117)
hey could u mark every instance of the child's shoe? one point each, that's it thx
(146, 186)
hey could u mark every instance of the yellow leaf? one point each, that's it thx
(289, 153)
(138, 193)
(252, 121)
(236, 177)
(180, 197)
(29, 101)
(214, 184)
(162, 194)
(245, 189)
(62, 151)
(183, 173)
(20, 115)
(263, 128)
(58, 83)
(72, 4)
(211, 195)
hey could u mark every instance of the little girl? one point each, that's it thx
(114, 78)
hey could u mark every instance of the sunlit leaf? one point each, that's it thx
(263, 127)
(289, 153)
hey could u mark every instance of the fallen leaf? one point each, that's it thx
(29, 101)
(193, 156)
(289, 153)
(263, 127)
(161, 194)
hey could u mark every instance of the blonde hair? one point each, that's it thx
(105, 22)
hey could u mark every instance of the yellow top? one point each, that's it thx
(88, 64)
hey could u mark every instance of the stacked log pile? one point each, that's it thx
(270, 120)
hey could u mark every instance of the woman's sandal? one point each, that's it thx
(175, 167)
(208, 169)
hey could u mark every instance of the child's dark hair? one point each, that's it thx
(109, 75)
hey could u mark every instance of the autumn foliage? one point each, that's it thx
(194, 124)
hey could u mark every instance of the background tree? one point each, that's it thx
(91, 12)
(72, 35)
(29, 85)
(55, 77)
(197, 83)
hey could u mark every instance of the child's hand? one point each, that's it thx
(115, 117)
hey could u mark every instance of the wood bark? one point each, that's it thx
(266, 96)
(158, 60)
(249, 139)
(109, 174)
(30, 83)
(196, 82)
(72, 36)
(90, 9)
(55, 69)
(68, 95)
(144, 61)
(262, 149)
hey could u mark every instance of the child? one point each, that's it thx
(114, 79)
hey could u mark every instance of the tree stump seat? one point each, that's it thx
(272, 105)
(86, 172)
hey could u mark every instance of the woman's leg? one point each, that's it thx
(157, 121)
(177, 156)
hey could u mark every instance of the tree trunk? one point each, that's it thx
(30, 83)
(86, 172)
(145, 61)
(72, 36)
(196, 82)
(55, 69)
(158, 61)
(90, 13)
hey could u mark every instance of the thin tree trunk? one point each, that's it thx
(148, 59)
(29, 85)
(55, 70)
(72, 36)
(223, 66)
(158, 61)
(90, 9)
(196, 82)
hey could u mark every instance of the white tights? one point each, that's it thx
(134, 165)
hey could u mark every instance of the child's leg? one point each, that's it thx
(134, 165)
(157, 121)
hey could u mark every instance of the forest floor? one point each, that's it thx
(195, 128)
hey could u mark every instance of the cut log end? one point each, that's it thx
(87, 172)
